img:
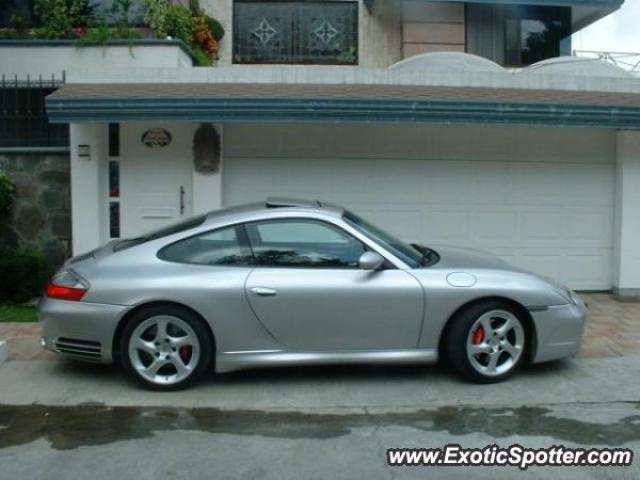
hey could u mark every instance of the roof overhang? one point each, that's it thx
(267, 103)
(583, 12)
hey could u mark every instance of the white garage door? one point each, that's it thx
(540, 198)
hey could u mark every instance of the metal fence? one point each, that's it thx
(627, 60)
(23, 117)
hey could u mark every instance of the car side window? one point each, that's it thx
(218, 247)
(303, 243)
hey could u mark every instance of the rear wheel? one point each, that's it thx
(165, 348)
(486, 342)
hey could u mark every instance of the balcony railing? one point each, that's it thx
(627, 60)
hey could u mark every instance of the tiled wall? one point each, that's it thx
(432, 27)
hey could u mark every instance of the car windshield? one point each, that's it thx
(405, 252)
(161, 232)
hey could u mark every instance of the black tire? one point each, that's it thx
(194, 321)
(458, 332)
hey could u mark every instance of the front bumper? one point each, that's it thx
(559, 330)
(79, 330)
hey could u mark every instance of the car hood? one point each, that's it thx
(458, 258)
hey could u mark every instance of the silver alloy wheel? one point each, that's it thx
(164, 349)
(495, 342)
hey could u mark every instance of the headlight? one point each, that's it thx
(575, 298)
(565, 292)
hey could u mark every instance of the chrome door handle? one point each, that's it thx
(264, 292)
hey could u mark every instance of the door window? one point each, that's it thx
(303, 243)
(219, 247)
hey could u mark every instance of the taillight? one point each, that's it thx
(66, 286)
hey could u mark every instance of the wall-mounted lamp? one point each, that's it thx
(206, 149)
(84, 151)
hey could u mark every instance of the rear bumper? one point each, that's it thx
(559, 331)
(79, 330)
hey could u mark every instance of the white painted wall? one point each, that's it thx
(52, 60)
(207, 188)
(146, 176)
(88, 193)
(541, 198)
(627, 232)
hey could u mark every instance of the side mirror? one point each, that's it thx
(370, 261)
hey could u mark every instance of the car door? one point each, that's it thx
(309, 293)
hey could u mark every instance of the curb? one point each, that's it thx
(4, 351)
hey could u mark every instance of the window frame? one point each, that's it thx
(369, 245)
(241, 236)
(24, 110)
(292, 60)
(333, 226)
(521, 14)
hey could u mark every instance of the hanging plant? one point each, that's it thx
(203, 38)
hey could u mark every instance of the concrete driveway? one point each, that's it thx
(61, 419)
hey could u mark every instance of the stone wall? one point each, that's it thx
(41, 215)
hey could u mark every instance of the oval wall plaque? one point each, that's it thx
(156, 138)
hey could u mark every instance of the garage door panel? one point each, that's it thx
(590, 227)
(564, 184)
(553, 218)
(542, 227)
(495, 226)
(448, 225)
(585, 269)
(549, 264)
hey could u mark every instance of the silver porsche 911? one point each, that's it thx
(291, 282)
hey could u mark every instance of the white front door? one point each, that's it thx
(155, 183)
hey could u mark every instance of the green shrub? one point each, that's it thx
(215, 27)
(200, 57)
(178, 23)
(61, 18)
(22, 275)
(155, 12)
(7, 190)
(199, 32)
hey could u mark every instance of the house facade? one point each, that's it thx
(465, 123)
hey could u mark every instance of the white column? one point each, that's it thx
(626, 281)
(88, 222)
(207, 188)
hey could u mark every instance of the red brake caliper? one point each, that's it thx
(478, 336)
(185, 353)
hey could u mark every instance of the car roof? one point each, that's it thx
(279, 204)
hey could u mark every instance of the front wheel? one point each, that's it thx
(487, 342)
(165, 348)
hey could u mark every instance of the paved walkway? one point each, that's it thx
(613, 329)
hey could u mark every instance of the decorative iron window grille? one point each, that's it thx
(296, 32)
(23, 117)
